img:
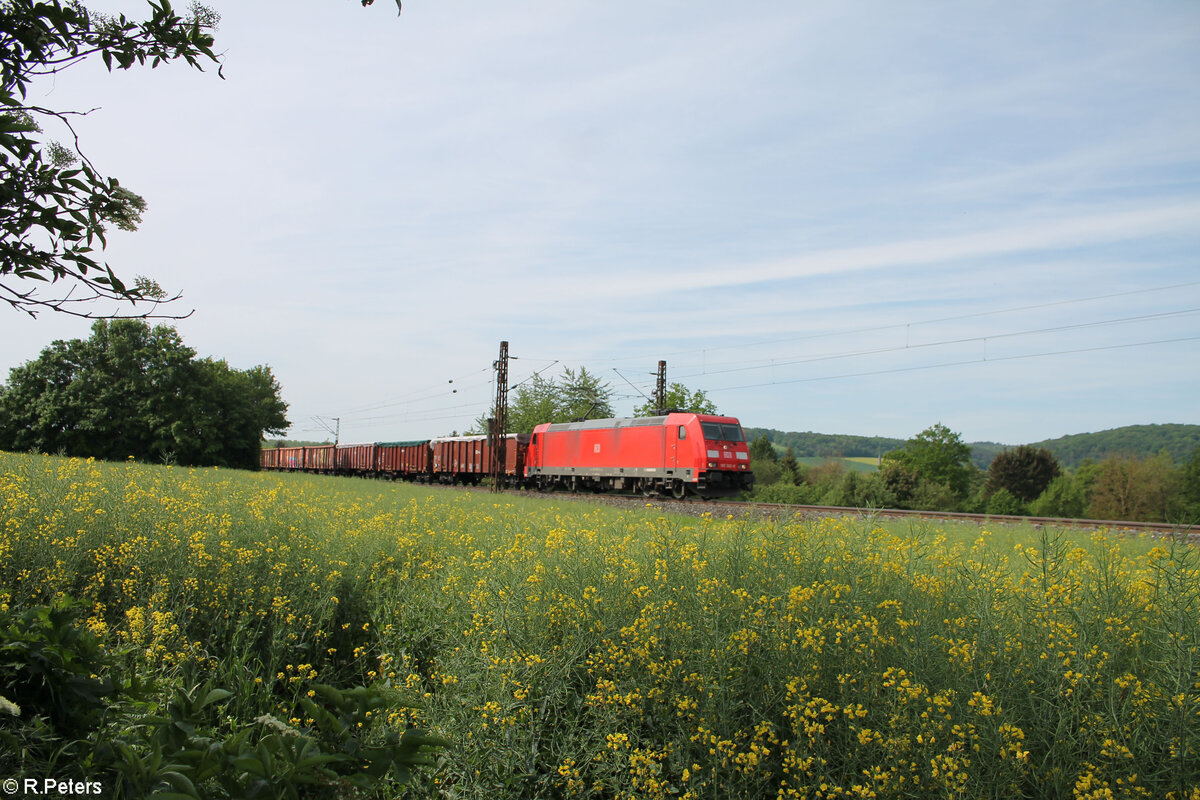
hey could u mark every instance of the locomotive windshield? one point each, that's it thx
(722, 432)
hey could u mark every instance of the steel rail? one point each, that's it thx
(696, 506)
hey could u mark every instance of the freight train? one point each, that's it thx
(678, 454)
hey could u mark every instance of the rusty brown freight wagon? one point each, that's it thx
(318, 458)
(408, 460)
(467, 459)
(355, 459)
(290, 458)
(269, 457)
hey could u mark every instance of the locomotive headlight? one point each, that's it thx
(712, 465)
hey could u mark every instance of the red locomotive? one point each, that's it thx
(677, 453)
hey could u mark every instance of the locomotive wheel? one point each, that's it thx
(678, 489)
(648, 489)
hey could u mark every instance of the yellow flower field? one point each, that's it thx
(575, 651)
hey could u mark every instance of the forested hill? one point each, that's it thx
(1180, 441)
(827, 445)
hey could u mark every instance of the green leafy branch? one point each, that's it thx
(55, 205)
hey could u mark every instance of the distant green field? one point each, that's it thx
(870, 461)
(861, 464)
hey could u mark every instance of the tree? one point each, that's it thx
(133, 390)
(55, 205)
(533, 402)
(575, 395)
(678, 398)
(108, 396)
(937, 454)
(860, 490)
(1143, 489)
(789, 462)
(1065, 496)
(1024, 471)
(231, 411)
(901, 481)
(1190, 488)
(762, 450)
(583, 395)
(1004, 502)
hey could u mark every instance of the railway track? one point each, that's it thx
(696, 507)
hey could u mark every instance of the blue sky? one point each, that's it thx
(858, 217)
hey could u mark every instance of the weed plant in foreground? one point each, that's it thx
(586, 652)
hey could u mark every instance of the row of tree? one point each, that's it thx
(133, 390)
(933, 472)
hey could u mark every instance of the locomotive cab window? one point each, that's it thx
(722, 432)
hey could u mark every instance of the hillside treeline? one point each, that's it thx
(934, 471)
(827, 445)
(1176, 440)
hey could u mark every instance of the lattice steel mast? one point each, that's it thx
(660, 389)
(499, 426)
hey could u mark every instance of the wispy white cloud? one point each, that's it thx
(602, 185)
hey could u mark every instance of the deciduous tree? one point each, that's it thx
(1190, 488)
(861, 490)
(679, 398)
(583, 395)
(576, 394)
(761, 450)
(1024, 471)
(133, 390)
(1003, 501)
(1144, 489)
(55, 204)
(901, 481)
(1065, 496)
(937, 454)
(531, 403)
